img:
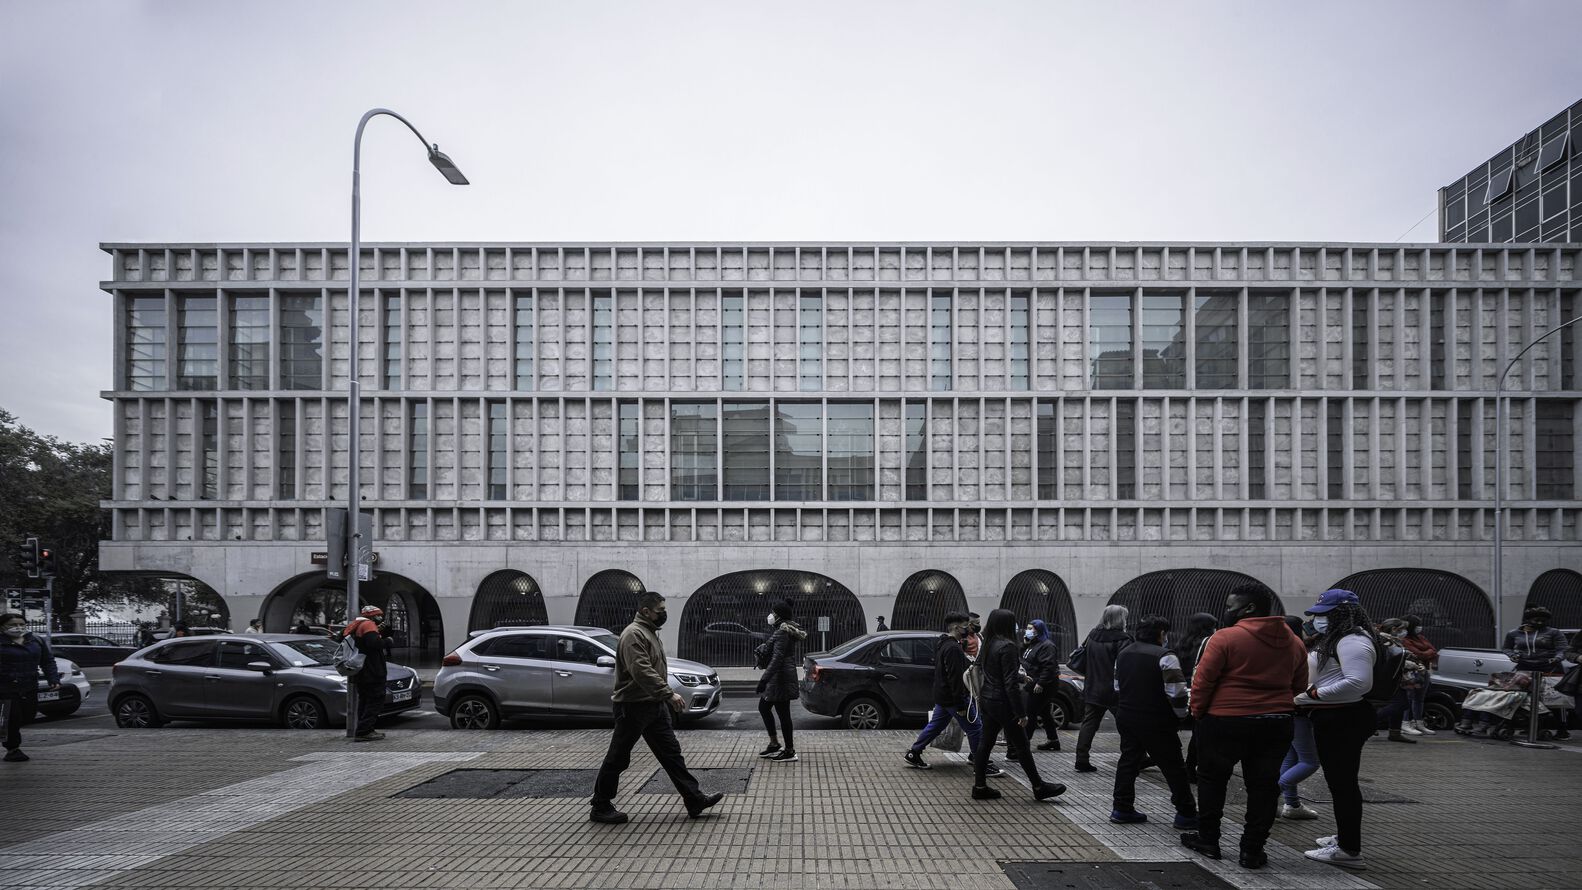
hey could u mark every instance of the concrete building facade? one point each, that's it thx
(867, 429)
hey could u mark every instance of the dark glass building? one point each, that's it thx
(1529, 191)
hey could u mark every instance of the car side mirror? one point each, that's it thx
(263, 667)
(604, 661)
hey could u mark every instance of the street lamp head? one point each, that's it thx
(445, 165)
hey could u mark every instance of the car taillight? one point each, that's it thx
(817, 674)
(451, 660)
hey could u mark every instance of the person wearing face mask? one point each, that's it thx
(1301, 762)
(1004, 708)
(1041, 660)
(22, 656)
(974, 637)
(1423, 652)
(1394, 714)
(643, 704)
(777, 688)
(950, 696)
(1150, 694)
(1535, 646)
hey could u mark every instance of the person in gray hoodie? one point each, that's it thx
(777, 688)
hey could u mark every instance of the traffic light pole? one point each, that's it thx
(49, 612)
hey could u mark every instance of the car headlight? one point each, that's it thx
(688, 679)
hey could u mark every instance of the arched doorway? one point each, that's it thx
(1178, 594)
(416, 628)
(157, 599)
(1559, 591)
(1455, 612)
(609, 600)
(724, 620)
(925, 599)
(507, 598)
(1037, 593)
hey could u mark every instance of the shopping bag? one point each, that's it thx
(950, 739)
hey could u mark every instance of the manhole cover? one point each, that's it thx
(731, 780)
(506, 783)
(1111, 876)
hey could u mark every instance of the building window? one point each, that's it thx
(603, 341)
(286, 451)
(733, 346)
(249, 359)
(916, 451)
(1214, 339)
(1499, 185)
(1048, 450)
(1110, 341)
(197, 343)
(694, 451)
(1556, 452)
(145, 343)
(1020, 341)
(417, 449)
(851, 475)
(810, 343)
(1361, 361)
(301, 342)
(392, 341)
(499, 442)
(1257, 416)
(1268, 341)
(1163, 332)
(939, 336)
(1125, 450)
(744, 431)
(799, 455)
(1335, 441)
(1553, 151)
(209, 451)
(630, 449)
(524, 341)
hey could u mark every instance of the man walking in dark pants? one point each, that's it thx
(643, 705)
(1150, 687)
(370, 680)
(1243, 693)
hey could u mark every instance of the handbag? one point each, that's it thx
(1078, 659)
(1571, 683)
(950, 738)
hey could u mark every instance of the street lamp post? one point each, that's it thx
(354, 543)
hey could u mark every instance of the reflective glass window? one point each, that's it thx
(1268, 341)
(417, 449)
(629, 436)
(1110, 341)
(524, 341)
(392, 341)
(916, 451)
(1163, 330)
(249, 353)
(1215, 343)
(145, 343)
(851, 471)
(694, 451)
(798, 453)
(198, 343)
(499, 440)
(301, 342)
(744, 431)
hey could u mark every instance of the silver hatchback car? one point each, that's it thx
(289, 679)
(554, 670)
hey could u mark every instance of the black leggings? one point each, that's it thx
(767, 709)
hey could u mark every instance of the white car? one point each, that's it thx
(74, 690)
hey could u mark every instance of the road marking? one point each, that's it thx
(94, 853)
(735, 716)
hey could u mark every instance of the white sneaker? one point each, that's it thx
(1410, 729)
(1298, 812)
(1422, 728)
(1331, 841)
(1337, 856)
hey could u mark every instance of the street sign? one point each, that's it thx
(823, 624)
(322, 558)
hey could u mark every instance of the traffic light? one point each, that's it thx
(46, 563)
(28, 556)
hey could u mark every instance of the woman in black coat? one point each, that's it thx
(1042, 661)
(1103, 644)
(777, 688)
(22, 657)
(1003, 707)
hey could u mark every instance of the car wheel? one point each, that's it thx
(304, 712)
(1439, 716)
(137, 712)
(1061, 707)
(863, 712)
(474, 712)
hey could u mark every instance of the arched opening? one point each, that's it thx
(1559, 591)
(1037, 593)
(416, 629)
(507, 598)
(925, 599)
(609, 600)
(724, 620)
(1178, 594)
(1455, 612)
(126, 600)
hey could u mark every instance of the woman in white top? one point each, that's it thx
(1340, 664)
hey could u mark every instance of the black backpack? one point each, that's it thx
(1389, 666)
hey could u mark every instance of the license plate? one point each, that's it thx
(49, 696)
(402, 696)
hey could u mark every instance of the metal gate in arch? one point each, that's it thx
(1178, 594)
(1559, 591)
(924, 600)
(507, 598)
(1454, 611)
(726, 619)
(609, 600)
(1037, 593)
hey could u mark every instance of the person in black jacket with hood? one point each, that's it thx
(777, 688)
(23, 657)
(1004, 707)
(950, 695)
(1103, 645)
(1042, 661)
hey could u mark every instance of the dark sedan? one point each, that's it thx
(871, 680)
(88, 650)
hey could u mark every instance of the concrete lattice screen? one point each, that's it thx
(1560, 591)
(1037, 593)
(1177, 594)
(924, 600)
(508, 598)
(724, 620)
(1455, 612)
(609, 600)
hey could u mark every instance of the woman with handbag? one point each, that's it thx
(777, 688)
(1424, 653)
(1041, 659)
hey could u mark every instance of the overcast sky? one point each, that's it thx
(732, 121)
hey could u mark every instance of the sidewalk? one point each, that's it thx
(252, 808)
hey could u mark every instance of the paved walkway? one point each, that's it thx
(252, 808)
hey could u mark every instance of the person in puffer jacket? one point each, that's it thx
(777, 688)
(1041, 660)
(1535, 646)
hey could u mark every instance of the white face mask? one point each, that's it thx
(1321, 624)
(16, 633)
(771, 618)
(1028, 634)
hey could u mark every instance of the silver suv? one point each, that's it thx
(548, 670)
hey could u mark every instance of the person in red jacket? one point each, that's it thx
(1424, 653)
(1242, 698)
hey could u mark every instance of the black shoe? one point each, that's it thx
(1562, 734)
(611, 816)
(1048, 790)
(1192, 841)
(1082, 766)
(914, 760)
(787, 755)
(1397, 737)
(1127, 817)
(993, 771)
(1051, 745)
(984, 792)
(695, 810)
(15, 755)
(772, 750)
(1252, 859)
(1013, 757)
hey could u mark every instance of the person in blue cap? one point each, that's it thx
(1340, 664)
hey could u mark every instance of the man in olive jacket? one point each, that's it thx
(643, 705)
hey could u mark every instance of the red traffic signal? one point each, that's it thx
(46, 563)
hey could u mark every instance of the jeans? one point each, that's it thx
(370, 701)
(1038, 712)
(997, 715)
(768, 710)
(1258, 744)
(1301, 762)
(1393, 713)
(649, 721)
(18, 706)
(1148, 737)
(1418, 699)
(1340, 733)
(1092, 716)
(941, 718)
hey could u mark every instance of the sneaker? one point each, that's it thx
(1252, 859)
(1422, 728)
(984, 792)
(1297, 811)
(913, 760)
(15, 755)
(1082, 766)
(1410, 728)
(993, 771)
(1048, 790)
(611, 816)
(1192, 841)
(772, 750)
(1051, 745)
(1562, 734)
(1184, 823)
(1337, 856)
(785, 756)
(1127, 817)
(1332, 840)
(695, 809)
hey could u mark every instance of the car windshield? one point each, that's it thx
(607, 640)
(306, 653)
